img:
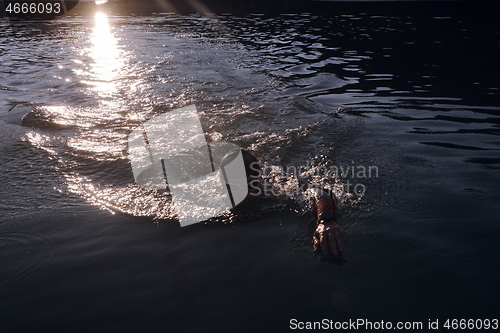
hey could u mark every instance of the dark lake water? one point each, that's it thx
(414, 94)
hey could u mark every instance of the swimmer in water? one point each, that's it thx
(329, 238)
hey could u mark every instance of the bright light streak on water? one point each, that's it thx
(107, 58)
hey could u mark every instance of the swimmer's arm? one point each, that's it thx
(329, 235)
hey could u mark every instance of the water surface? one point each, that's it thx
(83, 248)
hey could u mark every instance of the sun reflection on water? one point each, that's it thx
(101, 68)
(107, 58)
